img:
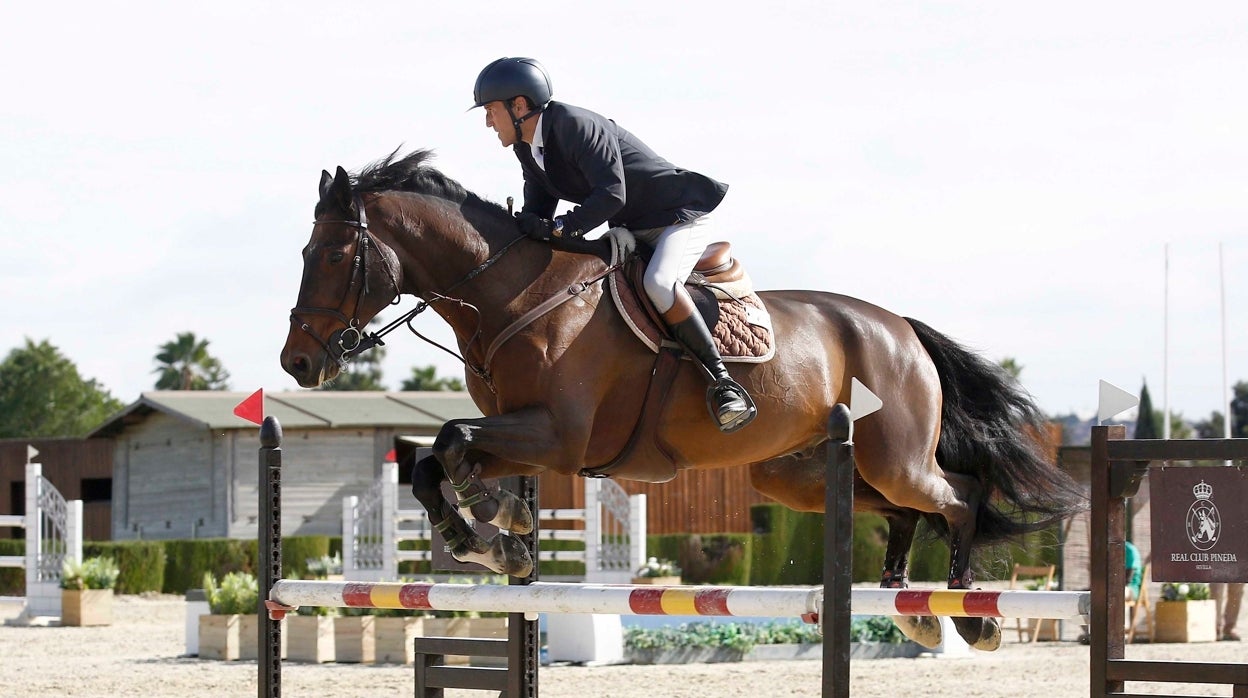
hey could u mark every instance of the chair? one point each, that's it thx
(1042, 576)
(1140, 605)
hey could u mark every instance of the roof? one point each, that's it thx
(322, 409)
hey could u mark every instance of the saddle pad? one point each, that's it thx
(742, 332)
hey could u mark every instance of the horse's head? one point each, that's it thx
(348, 277)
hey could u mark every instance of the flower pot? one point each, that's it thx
(310, 639)
(657, 581)
(218, 637)
(393, 638)
(1185, 621)
(248, 636)
(83, 607)
(354, 639)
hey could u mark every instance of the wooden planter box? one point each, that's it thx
(310, 639)
(393, 635)
(1185, 621)
(218, 637)
(83, 607)
(248, 636)
(355, 639)
(658, 581)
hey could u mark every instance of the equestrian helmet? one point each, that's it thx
(507, 78)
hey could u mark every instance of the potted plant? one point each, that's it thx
(660, 572)
(1185, 613)
(87, 591)
(230, 631)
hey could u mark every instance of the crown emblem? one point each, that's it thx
(1203, 490)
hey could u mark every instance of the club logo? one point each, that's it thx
(1204, 522)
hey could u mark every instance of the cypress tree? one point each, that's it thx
(1146, 423)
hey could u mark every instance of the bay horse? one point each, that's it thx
(561, 381)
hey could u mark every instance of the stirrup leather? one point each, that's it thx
(730, 405)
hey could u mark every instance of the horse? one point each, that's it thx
(561, 381)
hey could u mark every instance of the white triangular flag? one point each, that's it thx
(31, 452)
(862, 401)
(1113, 401)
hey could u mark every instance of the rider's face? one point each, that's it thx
(496, 118)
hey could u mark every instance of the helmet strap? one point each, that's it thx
(517, 121)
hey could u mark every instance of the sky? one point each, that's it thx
(1009, 173)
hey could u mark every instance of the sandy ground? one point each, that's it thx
(140, 655)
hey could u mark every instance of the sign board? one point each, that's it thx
(1199, 523)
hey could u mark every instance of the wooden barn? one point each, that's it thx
(77, 468)
(184, 466)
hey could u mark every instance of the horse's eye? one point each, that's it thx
(335, 257)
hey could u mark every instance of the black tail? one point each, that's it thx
(991, 429)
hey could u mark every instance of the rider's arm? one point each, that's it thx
(595, 152)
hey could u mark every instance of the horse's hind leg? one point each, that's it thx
(980, 633)
(924, 630)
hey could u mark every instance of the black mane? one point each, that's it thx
(413, 173)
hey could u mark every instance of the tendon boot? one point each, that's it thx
(728, 402)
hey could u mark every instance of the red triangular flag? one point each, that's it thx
(390, 457)
(252, 409)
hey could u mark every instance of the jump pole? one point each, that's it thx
(629, 600)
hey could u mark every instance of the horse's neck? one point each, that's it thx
(449, 254)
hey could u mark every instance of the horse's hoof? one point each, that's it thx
(516, 559)
(982, 635)
(924, 630)
(513, 514)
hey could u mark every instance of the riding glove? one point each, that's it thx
(534, 226)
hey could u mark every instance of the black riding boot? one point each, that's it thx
(729, 404)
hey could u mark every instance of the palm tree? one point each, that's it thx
(185, 364)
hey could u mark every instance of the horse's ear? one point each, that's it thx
(326, 180)
(337, 194)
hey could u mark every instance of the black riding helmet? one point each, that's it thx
(508, 78)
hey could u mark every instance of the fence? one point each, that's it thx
(53, 534)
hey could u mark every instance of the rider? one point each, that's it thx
(576, 155)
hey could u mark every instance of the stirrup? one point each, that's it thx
(734, 412)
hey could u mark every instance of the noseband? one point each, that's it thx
(351, 340)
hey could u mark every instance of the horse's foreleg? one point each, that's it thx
(472, 450)
(444, 517)
(458, 448)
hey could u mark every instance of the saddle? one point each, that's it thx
(721, 291)
(739, 323)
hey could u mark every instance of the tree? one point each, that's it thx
(1210, 428)
(42, 395)
(185, 364)
(1011, 367)
(427, 379)
(1239, 410)
(1147, 425)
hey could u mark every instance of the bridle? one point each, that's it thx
(351, 340)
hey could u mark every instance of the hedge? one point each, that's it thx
(12, 579)
(141, 562)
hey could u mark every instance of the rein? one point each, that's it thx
(352, 341)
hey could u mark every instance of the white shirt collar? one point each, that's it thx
(538, 143)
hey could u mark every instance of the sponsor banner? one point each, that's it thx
(1199, 523)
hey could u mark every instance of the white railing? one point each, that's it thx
(614, 535)
(53, 535)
